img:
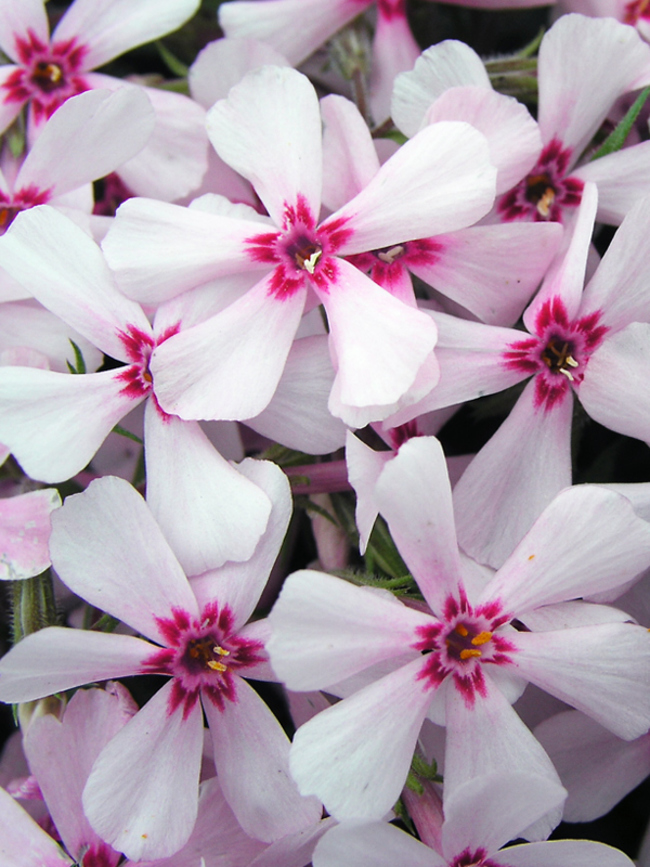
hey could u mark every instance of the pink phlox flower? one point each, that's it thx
(583, 340)
(466, 661)
(303, 259)
(47, 71)
(201, 640)
(451, 77)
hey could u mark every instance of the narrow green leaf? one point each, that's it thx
(616, 139)
(173, 64)
(80, 364)
(123, 432)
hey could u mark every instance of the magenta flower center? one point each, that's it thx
(635, 10)
(459, 645)
(558, 353)
(203, 657)
(22, 200)
(48, 75)
(546, 192)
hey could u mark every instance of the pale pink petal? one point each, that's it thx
(566, 615)
(394, 50)
(174, 160)
(488, 738)
(142, 793)
(325, 629)
(229, 366)
(620, 285)
(68, 274)
(439, 181)
(159, 250)
(207, 510)
(239, 585)
(414, 496)
(26, 325)
(378, 342)
(597, 768)
(574, 96)
(373, 845)
(364, 468)
(488, 812)
(223, 63)
(23, 843)
(297, 415)
(294, 850)
(448, 64)
(251, 752)
(614, 390)
(601, 670)
(350, 160)
(55, 659)
(88, 137)
(569, 853)
(16, 20)
(513, 478)
(25, 532)
(512, 134)
(269, 130)
(108, 28)
(566, 276)
(586, 541)
(107, 547)
(217, 837)
(470, 356)
(55, 422)
(61, 754)
(295, 28)
(622, 180)
(492, 270)
(356, 776)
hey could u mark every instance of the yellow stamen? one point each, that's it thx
(546, 202)
(216, 666)
(468, 654)
(462, 630)
(482, 638)
(221, 651)
(532, 557)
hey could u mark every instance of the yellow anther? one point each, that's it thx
(462, 630)
(546, 202)
(571, 361)
(482, 638)
(220, 651)
(567, 373)
(532, 557)
(468, 654)
(216, 666)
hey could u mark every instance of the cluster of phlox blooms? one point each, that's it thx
(257, 614)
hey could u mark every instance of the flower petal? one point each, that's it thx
(278, 106)
(142, 793)
(207, 510)
(107, 547)
(252, 757)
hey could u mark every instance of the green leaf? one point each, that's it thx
(80, 364)
(123, 432)
(616, 139)
(173, 64)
